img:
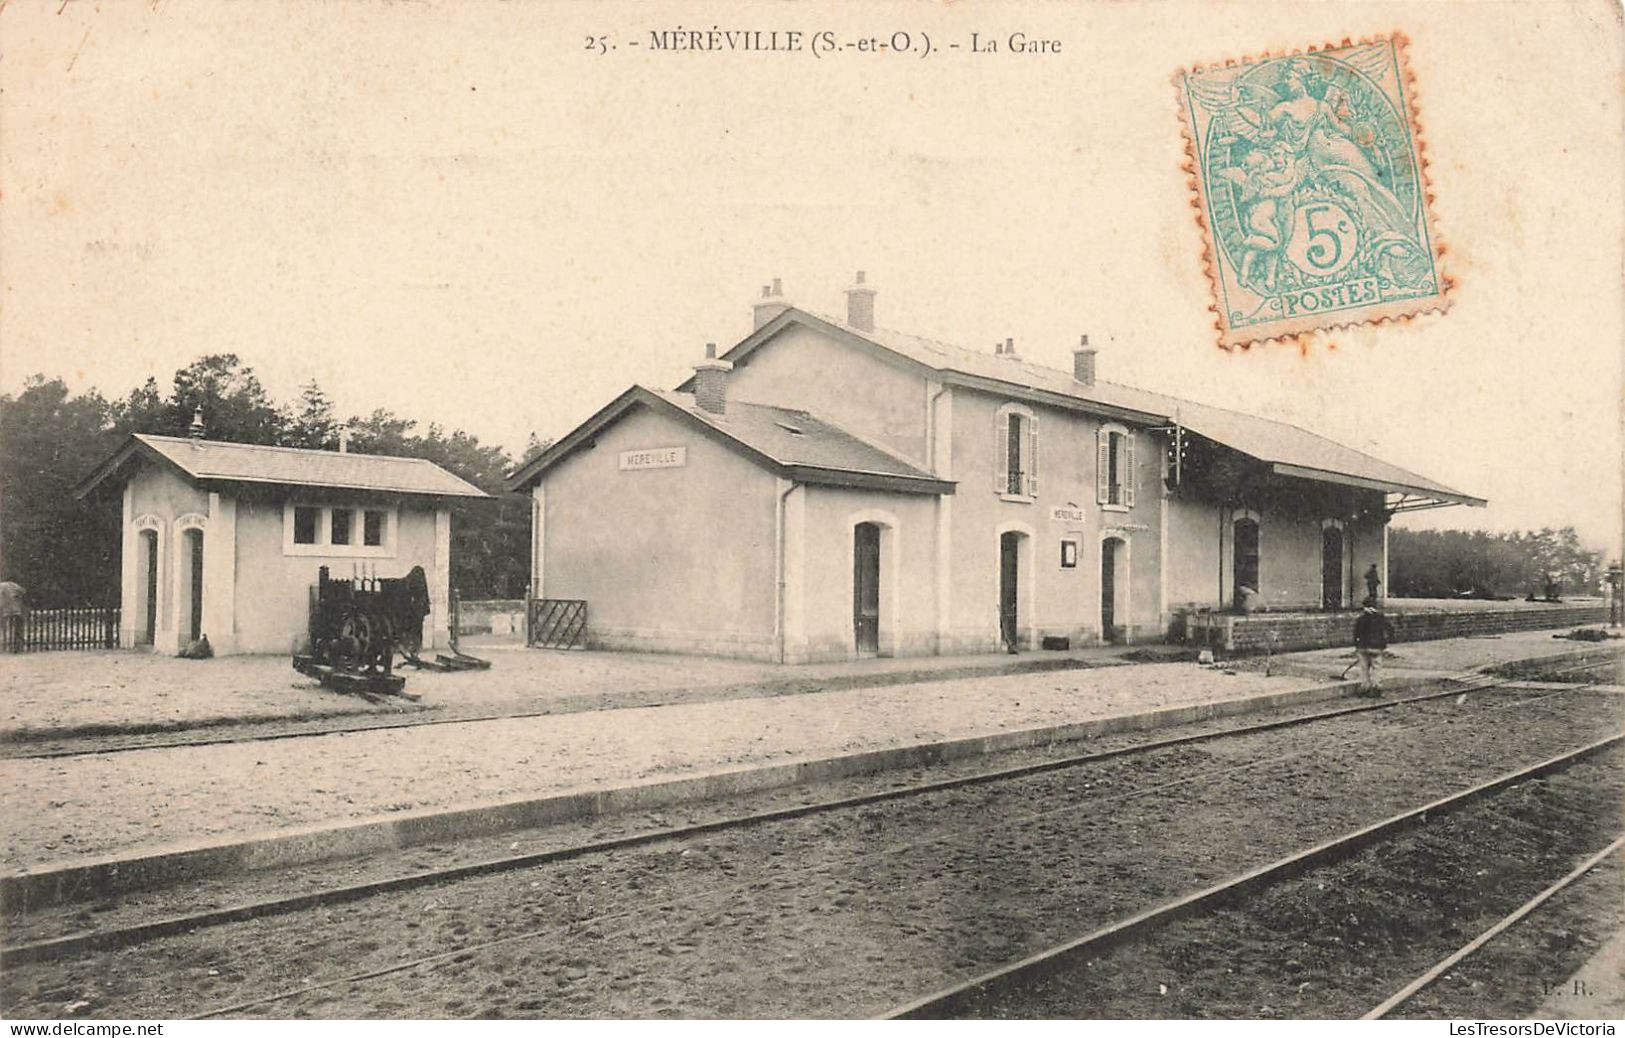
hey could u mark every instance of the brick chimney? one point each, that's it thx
(711, 381)
(771, 304)
(344, 439)
(1083, 362)
(1007, 349)
(195, 430)
(860, 305)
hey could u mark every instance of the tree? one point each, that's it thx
(313, 424)
(235, 405)
(62, 551)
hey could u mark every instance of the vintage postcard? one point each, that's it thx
(686, 510)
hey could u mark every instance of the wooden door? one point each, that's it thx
(1246, 556)
(1331, 568)
(1009, 619)
(1108, 590)
(194, 540)
(150, 540)
(866, 588)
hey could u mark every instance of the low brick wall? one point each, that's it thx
(1284, 632)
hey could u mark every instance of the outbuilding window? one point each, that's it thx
(304, 524)
(341, 525)
(338, 531)
(1016, 453)
(1114, 467)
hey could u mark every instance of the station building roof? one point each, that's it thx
(1288, 449)
(791, 443)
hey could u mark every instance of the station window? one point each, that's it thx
(1017, 447)
(1114, 467)
(372, 528)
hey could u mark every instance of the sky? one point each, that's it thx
(462, 214)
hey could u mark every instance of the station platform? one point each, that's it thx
(245, 804)
(1413, 619)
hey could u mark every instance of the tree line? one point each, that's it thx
(66, 552)
(1473, 563)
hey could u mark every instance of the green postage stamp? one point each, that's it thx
(1312, 190)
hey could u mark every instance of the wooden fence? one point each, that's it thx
(42, 630)
(556, 623)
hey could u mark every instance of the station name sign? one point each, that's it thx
(654, 458)
(1067, 515)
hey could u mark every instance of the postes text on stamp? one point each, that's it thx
(1312, 190)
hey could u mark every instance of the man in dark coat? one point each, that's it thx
(1371, 634)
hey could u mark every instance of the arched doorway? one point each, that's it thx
(1114, 617)
(1010, 590)
(149, 594)
(866, 588)
(1331, 567)
(1245, 541)
(192, 628)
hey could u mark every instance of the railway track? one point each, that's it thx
(639, 915)
(965, 997)
(1513, 918)
(124, 936)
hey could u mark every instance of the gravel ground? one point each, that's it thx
(47, 694)
(1528, 970)
(1341, 939)
(242, 888)
(832, 915)
(63, 808)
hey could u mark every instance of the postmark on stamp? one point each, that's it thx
(1312, 190)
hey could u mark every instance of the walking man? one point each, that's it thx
(1371, 634)
(1372, 583)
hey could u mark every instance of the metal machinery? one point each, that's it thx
(358, 625)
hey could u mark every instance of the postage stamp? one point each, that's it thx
(1312, 190)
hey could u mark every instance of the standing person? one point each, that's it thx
(1371, 634)
(1372, 583)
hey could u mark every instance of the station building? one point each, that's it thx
(827, 489)
(225, 539)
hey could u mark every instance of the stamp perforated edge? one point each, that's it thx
(1290, 332)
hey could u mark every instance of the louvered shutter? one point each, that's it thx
(1001, 452)
(1128, 470)
(1103, 464)
(1031, 461)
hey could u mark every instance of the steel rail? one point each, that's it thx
(956, 998)
(1405, 993)
(138, 933)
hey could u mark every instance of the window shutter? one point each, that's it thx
(1103, 464)
(1128, 470)
(1032, 455)
(1001, 452)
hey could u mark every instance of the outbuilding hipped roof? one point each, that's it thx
(791, 443)
(219, 461)
(1289, 450)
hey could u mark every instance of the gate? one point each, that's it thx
(556, 623)
(43, 630)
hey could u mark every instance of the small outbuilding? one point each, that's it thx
(226, 539)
